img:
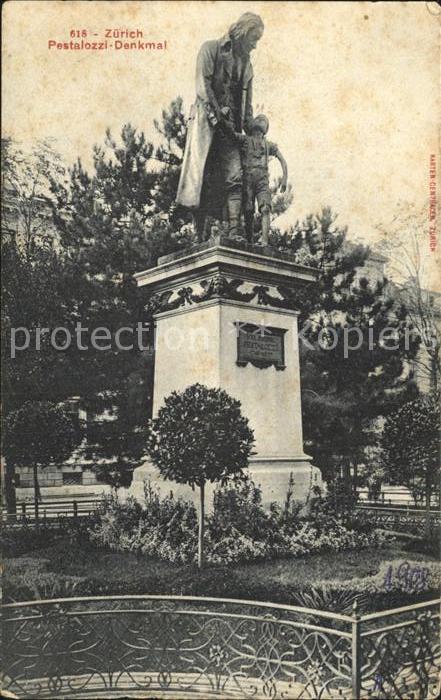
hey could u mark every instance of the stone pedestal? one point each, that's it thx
(225, 316)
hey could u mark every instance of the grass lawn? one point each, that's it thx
(329, 567)
(63, 569)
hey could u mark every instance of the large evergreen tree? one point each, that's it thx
(116, 222)
(411, 446)
(80, 239)
(345, 393)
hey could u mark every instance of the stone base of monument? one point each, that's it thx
(147, 474)
(273, 477)
(276, 477)
(225, 316)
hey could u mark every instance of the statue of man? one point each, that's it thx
(224, 78)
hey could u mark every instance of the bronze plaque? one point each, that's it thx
(262, 346)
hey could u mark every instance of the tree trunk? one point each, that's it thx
(10, 496)
(434, 358)
(355, 480)
(347, 485)
(427, 529)
(201, 526)
(37, 494)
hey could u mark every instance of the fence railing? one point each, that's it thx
(403, 520)
(61, 513)
(210, 647)
(51, 512)
(396, 499)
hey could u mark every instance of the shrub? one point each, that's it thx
(115, 519)
(26, 538)
(240, 509)
(27, 578)
(19, 540)
(164, 529)
(334, 599)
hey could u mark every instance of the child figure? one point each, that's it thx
(256, 151)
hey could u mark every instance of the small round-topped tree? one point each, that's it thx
(200, 436)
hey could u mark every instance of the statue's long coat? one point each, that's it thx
(213, 77)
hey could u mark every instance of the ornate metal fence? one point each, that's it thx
(209, 647)
(405, 520)
(400, 652)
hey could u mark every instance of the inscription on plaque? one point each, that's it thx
(261, 346)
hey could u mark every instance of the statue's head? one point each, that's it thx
(260, 123)
(247, 31)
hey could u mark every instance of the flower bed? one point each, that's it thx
(238, 530)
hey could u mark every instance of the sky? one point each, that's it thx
(351, 90)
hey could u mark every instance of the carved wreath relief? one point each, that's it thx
(220, 287)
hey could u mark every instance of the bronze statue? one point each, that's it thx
(224, 78)
(256, 151)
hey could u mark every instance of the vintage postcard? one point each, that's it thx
(221, 349)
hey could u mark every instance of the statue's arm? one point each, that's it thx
(205, 67)
(227, 127)
(275, 151)
(248, 111)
